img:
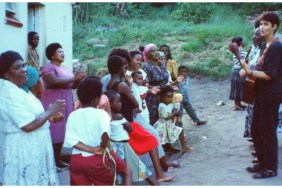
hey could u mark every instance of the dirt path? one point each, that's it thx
(220, 153)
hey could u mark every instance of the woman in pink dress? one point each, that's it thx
(58, 84)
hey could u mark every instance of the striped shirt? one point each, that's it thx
(235, 61)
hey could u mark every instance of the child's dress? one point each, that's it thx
(168, 132)
(120, 145)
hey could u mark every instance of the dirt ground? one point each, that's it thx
(220, 153)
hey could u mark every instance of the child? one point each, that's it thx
(183, 88)
(140, 93)
(120, 128)
(168, 132)
(87, 133)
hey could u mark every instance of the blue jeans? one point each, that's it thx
(186, 104)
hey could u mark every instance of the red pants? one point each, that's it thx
(91, 170)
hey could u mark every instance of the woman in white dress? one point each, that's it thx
(26, 154)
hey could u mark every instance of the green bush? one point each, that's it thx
(194, 12)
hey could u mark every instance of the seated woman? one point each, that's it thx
(129, 104)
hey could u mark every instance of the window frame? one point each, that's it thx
(11, 12)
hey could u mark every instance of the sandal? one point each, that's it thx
(265, 174)
(255, 160)
(237, 108)
(256, 168)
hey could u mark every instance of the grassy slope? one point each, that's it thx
(202, 47)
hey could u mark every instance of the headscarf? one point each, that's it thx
(146, 50)
(161, 54)
(7, 59)
(32, 78)
(51, 49)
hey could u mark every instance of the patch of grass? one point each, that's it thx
(204, 45)
(193, 46)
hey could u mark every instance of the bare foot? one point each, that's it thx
(166, 177)
(186, 149)
(174, 164)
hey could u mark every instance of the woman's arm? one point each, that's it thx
(57, 82)
(124, 89)
(254, 73)
(42, 118)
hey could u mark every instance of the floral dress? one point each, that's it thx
(154, 78)
(168, 132)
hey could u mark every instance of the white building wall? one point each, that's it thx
(11, 37)
(59, 28)
(52, 26)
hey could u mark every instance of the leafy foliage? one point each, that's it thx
(202, 46)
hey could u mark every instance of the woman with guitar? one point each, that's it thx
(268, 96)
(255, 53)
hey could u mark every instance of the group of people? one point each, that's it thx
(261, 65)
(122, 122)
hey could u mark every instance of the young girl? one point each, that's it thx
(87, 132)
(120, 128)
(167, 130)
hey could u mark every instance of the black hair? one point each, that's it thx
(134, 73)
(165, 89)
(7, 59)
(133, 53)
(271, 17)
(89, 88)
(122, 53)
(257, 24)
(114, 64)
(182, 67)
(111, 94)
(30, 36)
(169, 56)
(141, 48)
(238, 40)
(51, 49)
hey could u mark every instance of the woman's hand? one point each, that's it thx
(246, 66)
(155, 90)
(180, 78)
(56, 107)
(128, 80)
(242, 73)
(79, 75)
(56, 118)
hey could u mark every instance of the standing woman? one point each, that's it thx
(58, 82)
(171, 64)
(237, 82)
(268, 96)
(26, 156)
(157, 75)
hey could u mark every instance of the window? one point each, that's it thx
(11, 15)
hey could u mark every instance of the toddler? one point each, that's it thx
(168, 132)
